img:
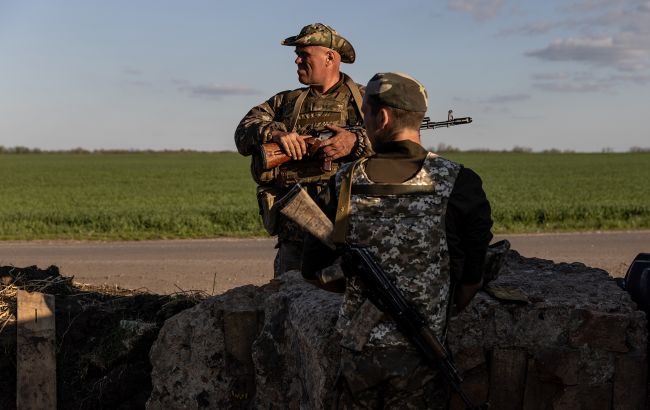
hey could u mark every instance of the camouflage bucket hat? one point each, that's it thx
(397, 90)
(319, 34)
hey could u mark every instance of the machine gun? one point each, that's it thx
(272, 155)
(298, 206)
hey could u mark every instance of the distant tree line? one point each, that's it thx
(446, 148)
(441, 147)
(26, 150)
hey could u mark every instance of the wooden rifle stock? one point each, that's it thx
(273, 156)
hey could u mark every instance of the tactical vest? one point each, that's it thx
(303, 111)
(406, 234)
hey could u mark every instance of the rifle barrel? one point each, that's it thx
(427, 124)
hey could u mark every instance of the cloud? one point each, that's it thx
(575, 82)
(132, 71)
(586, 81)
(134, 77)
(507, 98)
(140, 83)
(216, 91)
(529, 29)
(573, 87)
(499, 99)
(551, 76)
(585, 6)
(612, 34)
(639, 79)
(479, 9)
(500, 104)
(601, 51)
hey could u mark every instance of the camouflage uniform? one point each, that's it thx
(338, 106)
(406, 235)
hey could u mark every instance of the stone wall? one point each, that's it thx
(103, 338)
(543, 336)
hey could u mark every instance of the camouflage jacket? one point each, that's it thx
(337, 107)
(407, 236)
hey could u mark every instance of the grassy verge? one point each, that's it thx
(127, 196)
(563, 192)
(203, 195)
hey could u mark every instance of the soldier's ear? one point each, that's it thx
(384, 117)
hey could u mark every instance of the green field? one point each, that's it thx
(203, 195)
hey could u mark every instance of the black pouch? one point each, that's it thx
(637, 281)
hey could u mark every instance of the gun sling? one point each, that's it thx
(354, 90)
(343, 207)
(392, 189)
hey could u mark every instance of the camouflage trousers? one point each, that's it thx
(388, 378)
(289, 257)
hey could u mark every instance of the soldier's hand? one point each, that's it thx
(291, 143)
(340, 144)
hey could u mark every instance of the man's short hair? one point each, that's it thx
(402, 119)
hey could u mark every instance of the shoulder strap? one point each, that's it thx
(392, 189)
(296, 109)
(343, 207)
(356, 94)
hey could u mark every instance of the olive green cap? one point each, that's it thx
(397, 90)
(319, 34)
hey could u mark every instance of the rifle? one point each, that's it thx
(272, 155)
(299, 207)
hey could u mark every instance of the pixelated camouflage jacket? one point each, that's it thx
(406, 234)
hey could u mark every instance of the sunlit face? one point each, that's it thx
(312, 62)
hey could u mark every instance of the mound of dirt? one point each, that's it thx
(103, 337)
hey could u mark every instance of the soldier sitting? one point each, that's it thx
(431, 241)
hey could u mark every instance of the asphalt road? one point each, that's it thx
(216, 265)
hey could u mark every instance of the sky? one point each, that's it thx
(570, 75)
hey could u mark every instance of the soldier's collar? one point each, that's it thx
(334, 88)
(400, 148)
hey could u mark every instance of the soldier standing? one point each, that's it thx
(331, 101)
(426, 221)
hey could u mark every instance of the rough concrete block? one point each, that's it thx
(559, 366)
(508, 369)
(630, 382)
(240, 331)
(476, 384)
(539, 394)
(600, 330)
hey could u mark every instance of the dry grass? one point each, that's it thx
(59, 285)
(21, 281)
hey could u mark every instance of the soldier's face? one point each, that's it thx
(312, 62)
